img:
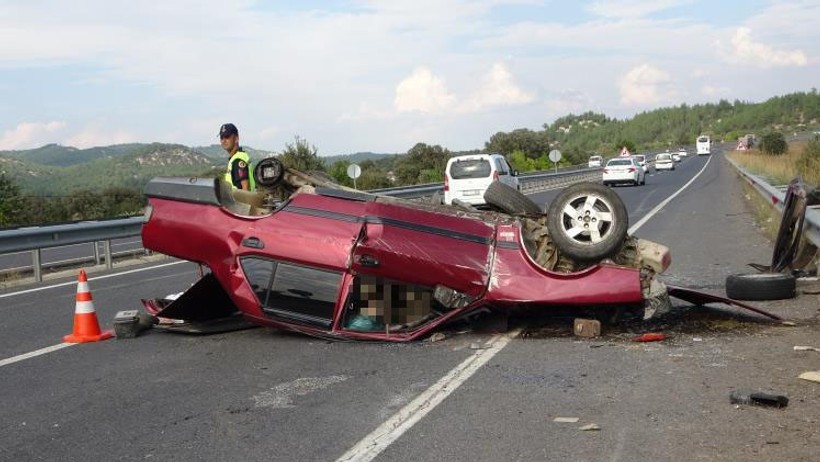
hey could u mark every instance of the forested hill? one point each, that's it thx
(59, 170)
(126, 166)
(578, 136)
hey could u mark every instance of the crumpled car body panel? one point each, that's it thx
(388, 271)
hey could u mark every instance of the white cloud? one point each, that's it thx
(497, 88)
(568, 101)
(31, 134)
(92, 136)
(746, 51)
(644, 85)
(423, 92)
(632, 8)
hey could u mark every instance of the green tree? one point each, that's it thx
(338, 170)
(630, 146)
(422, 164)
(774, 144)
(301, 155)
(11, 203)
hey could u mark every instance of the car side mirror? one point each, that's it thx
(515, 173)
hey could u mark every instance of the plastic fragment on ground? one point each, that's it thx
(811, 376)
(590, 428)
(649, 337)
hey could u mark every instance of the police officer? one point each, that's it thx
(239, 173)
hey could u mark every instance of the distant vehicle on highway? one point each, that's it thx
(596, 162)
(676, 157)
(682, 152)
(623, 170)
(467, 177)
(664, 161)
(641, 159)
(704, 145)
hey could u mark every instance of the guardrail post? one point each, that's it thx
(107, 249)
(96, 252)
(36, 263)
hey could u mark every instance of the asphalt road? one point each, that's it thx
(265, 395)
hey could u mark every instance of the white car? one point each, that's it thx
(596, 162)
(467, 177)
(664, 161)
(641, 159)
(675, 157)
(682, 152)
(623, 170)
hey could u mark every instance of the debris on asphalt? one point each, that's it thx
(590, 428)
(812, 376)
(566, 419)
(697, 339)
(130, 323)
(478, 346)
(805, 348)
(649, 337)
(587, 328)
(788, 323)
(437, 337)
(758, 398)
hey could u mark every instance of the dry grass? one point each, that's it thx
(779, 170)
(766, 216)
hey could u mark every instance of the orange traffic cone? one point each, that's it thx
(86, 326)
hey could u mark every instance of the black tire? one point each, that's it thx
(602, 227)
(764, 286)
(510, 200)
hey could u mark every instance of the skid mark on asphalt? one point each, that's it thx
(281, 396)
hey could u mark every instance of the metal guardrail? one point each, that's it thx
(36, 238)
(776, 195)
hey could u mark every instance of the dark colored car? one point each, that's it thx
(310, 256)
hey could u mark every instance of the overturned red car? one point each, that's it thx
(307, 255)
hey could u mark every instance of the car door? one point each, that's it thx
(295, 260)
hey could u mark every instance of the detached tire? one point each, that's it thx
(587, 222)
(510, 200)
(765, 286)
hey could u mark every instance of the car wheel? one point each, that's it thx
(765, 286)
(587, 222)
(643, 181)
(510, 200)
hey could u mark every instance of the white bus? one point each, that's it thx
(704, 145)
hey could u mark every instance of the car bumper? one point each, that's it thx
(620, 177)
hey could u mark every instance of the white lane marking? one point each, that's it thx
(663, 204)
(105, 276)
(32, 354)
(379, 439)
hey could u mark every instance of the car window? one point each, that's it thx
(619, 162)
(470, 168)
(379, 304)
(501, 167)
(663, 157)
(595, 158)
(299, 293)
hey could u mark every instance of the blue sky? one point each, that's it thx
(379, 75)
